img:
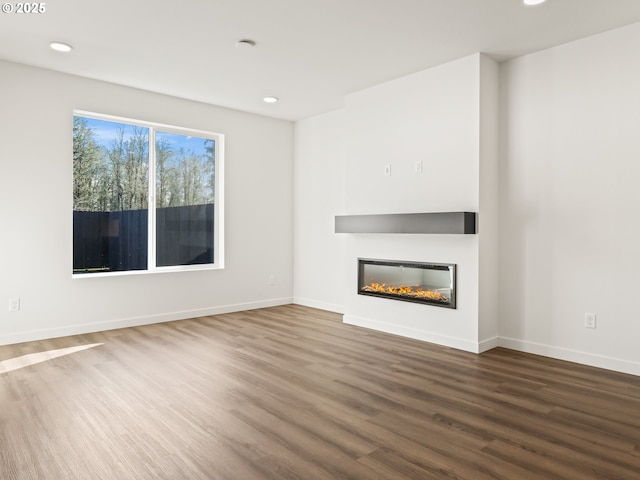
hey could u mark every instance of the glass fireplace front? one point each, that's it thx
(428, 283)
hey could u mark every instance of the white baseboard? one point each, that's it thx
(488, 344)
(584, 358)
(307, 302)
(576, 356)
(599, 361)
(33, 335)
(453, 342)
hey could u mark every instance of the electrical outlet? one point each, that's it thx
(418, 166)
(590, 320)
(272, 280)
(14, 304)
(387, 170)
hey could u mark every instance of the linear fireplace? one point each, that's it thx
(427, 283)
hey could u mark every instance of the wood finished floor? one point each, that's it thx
(292, 393)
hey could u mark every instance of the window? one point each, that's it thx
(146, 197)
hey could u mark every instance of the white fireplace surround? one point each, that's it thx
(447, 118)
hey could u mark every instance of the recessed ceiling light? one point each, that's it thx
(533, 2)
(270, 99)
(245, 43)
(61, 47)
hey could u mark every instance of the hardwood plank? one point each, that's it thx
(293, 393)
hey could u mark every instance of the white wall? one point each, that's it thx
(430, 116)
(36, 204)
(570, 201)
(489, 203)
(318, 196)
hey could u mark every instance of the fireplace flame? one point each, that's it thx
(406, 291)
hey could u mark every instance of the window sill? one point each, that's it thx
(179, 268)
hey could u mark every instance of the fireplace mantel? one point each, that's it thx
(412, 223)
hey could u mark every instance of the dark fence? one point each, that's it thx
(184, 235)
(117, 241)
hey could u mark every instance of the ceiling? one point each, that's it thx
(309, 53)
